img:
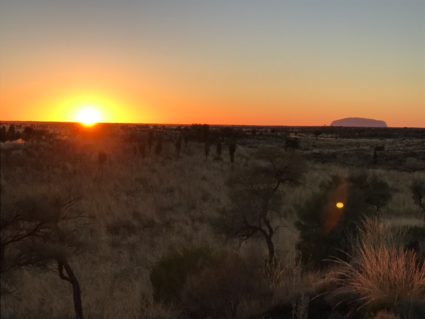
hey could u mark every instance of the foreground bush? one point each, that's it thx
(220, 289)
(168, 276)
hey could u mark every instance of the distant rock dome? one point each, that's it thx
(358, 121)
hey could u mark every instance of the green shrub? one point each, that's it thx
(168, 276)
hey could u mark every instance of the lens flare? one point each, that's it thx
(339, 205)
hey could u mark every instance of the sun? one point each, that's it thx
(88, 116)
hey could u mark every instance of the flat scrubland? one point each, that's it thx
(147, 233)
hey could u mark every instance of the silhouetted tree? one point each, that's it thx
(150, 140)
(218, 148)
(10, 136)
(28, 133)
(142, 149)
(291, 143)
(205, 132)
(317, 133)
(101, 159)
(207, 149)
(158, 147)
(178, 145)
(232, 150)
(3, 134)
(186, 140)
(256, 196)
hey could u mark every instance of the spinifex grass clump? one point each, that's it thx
(382, 274)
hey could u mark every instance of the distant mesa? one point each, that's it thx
(358, 121)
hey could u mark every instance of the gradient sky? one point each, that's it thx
(211, 61)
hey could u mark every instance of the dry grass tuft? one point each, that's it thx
(382, 273)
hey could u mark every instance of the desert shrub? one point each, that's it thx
(292, 143)
(168, 275)
(220, 289)
(414, 164)
(121, 227)
(418, 193)
(383, 274)
(325, 229)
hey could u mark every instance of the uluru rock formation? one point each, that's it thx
(358, 121)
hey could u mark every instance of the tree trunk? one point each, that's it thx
(270, 247)
(63, 263)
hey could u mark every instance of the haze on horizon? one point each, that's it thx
(218, 62)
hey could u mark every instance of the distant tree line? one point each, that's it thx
(28, 134)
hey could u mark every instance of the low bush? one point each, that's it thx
(168, 276)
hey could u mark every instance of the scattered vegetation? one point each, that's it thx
(160, 232)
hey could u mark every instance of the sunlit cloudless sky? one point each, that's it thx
(217, 62)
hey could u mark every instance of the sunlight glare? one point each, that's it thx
(88, 116)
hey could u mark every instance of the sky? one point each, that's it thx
(263, 62)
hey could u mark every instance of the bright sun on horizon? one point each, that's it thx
(88, 116)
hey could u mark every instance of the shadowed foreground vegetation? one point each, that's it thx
(203, 222)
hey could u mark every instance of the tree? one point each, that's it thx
(142, 149)
(150, 140)
(292, 143)
(101, 159)
(418, 193)
(38, 230)
(28, 133)
(218, 149)
(178, 145)
(3, 134)
(158, 147)
(232, 150)
(256, 196)
(10, 135)
(207, 149)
